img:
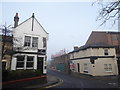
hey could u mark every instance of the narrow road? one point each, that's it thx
(69, 81)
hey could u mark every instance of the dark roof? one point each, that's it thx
(111, 32)
(95, 45)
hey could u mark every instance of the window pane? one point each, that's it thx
(20, 64)
(35, 42)
(29, 64)
(85, 67)
(20, 58)
(20, 61)
(27, 41)
(105, 67)
(45, 67)
(44, 42)
(30, 58)
(30, 61)
(109, 67)
(114, 37)
(105, 51)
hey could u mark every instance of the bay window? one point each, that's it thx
(25, 62)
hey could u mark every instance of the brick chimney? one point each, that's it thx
(75, 47)
(16, 19)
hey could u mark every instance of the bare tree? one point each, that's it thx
(7, 36)
(5, 31)
(108, 11)
(18, 45)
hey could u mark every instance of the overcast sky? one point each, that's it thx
(69, 24)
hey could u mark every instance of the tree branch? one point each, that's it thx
(108, 11)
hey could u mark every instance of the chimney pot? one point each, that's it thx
(16, 19)
(16, 14)
(33, 15)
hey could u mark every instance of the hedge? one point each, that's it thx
(8, 75)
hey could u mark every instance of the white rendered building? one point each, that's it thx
(30, 45)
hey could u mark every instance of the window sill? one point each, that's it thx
(86, 71)
(19, 68)
(30, 48)
(108, 71)
(30, 68)
(24, 69)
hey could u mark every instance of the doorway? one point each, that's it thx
(78, 65)
(3, 65)
(40, 64)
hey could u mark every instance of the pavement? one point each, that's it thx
(51, 81)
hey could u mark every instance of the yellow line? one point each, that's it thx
(61, 81)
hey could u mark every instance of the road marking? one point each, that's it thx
(114, 84)
(61, 81)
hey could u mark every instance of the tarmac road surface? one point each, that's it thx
(69, 81)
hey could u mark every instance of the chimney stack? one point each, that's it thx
(16, 19)
(75, 47)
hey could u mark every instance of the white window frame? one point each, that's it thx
(27, 41)
(31, 62)
(34, 44)
(44, 42)
(25, 62)
(106, 51)
(20, 61)
(85, 67)
(72, 55)
(108, 67)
